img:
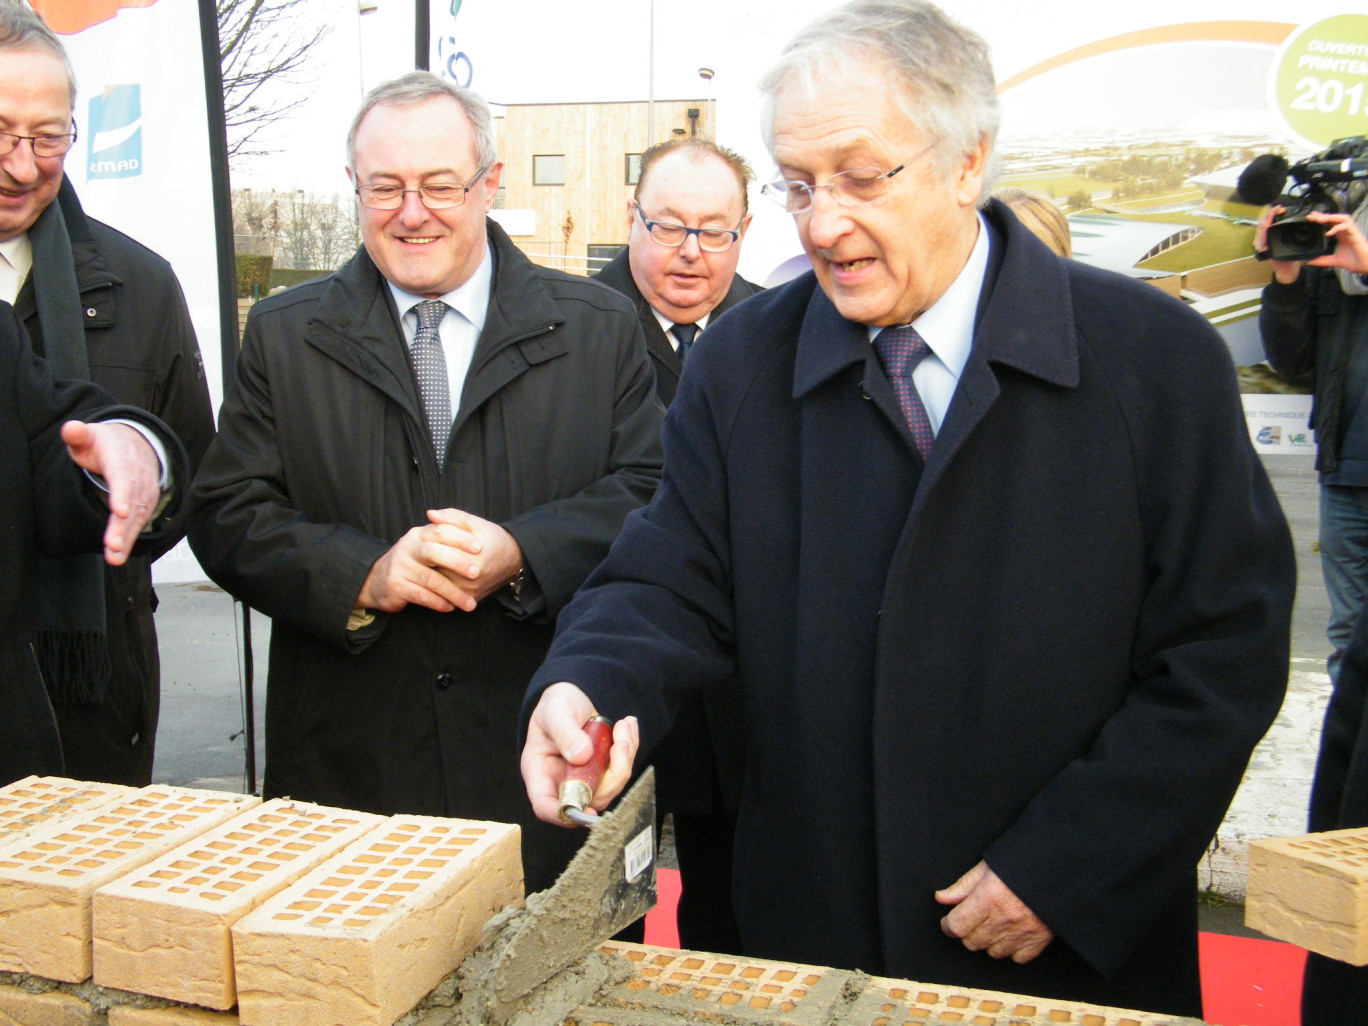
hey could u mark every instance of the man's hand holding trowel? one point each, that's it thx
(557, 743)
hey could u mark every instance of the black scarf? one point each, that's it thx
(70, 640)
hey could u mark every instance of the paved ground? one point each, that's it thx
(201, 740)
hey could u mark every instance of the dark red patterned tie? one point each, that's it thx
(900, 349)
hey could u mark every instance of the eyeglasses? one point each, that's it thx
(848, 189)
(439, 195)
(666, 233)
(50, 145)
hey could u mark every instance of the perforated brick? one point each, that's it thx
(1312, 891)
(165, 928)
(694, 986)
(363, 937)
(29, 803)
(19, 1007)
(127, 1015)
(47, 877)
(903, 1003)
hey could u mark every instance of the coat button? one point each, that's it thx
(90, 311)
(443, 681)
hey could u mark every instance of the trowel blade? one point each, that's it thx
(610, 882)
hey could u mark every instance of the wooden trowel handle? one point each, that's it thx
(580, 783)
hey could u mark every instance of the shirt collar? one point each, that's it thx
(948, 324)
(470, 299)
(19, 252)
(666, 324)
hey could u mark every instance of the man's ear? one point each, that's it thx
(972, 174)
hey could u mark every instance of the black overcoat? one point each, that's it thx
(1052, 648)
(322, 462)
(46, 505)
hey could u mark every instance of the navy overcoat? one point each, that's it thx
(1053, 647)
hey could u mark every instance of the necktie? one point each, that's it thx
(684, 335)
(429, 367)
(900, 349)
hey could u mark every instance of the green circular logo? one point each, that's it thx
(1318, 85)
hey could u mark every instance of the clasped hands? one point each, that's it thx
(987, 916)
(453, 562)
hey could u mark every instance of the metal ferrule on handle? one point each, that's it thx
(580, 783)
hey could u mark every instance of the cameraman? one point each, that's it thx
(1314, 323)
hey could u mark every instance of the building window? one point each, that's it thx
(602, 254)
(632, 163)
(548, 169)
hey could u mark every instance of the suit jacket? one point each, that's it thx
(47, 505)
(322, 462)
(617, 274)
(1053, 647)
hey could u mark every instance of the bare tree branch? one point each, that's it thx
(265, 54)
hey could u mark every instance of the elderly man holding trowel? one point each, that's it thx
(979, 534)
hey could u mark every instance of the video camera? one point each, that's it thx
(1334, 181)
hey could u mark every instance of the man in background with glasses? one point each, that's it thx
(685, 225)
(980, 536)
(101, 307)
(421, 458)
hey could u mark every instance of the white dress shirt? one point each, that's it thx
(16, 259)
(948, 328)
(467, 304)
(666, 324)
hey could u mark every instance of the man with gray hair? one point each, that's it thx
(979, 534)
(422, 457)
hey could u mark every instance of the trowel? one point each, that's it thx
(609, 883)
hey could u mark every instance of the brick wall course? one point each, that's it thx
(1312, 891)
(47, 878)
(20, 1007)
(165, 928)
(360, 939)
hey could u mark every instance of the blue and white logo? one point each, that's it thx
(116, 132)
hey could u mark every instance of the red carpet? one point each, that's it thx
(1245, 982)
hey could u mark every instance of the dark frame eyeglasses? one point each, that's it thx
(671, 235)
(440, 195)
(47, 145)
(852, 188)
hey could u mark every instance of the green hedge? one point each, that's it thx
(291, 276)
(253, 275)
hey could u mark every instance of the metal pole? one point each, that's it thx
(422, 31)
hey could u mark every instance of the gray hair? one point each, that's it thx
(939, 71)
(698, 150)
(21, 29)
(417, 87)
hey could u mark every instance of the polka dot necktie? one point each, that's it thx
(900, 349)
(429, 367)
(684, 335)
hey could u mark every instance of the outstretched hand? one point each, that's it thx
(131, 471)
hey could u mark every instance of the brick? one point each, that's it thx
(47, 878)
(27, 804)
(165, 928)
(363, 937)
(19, 1007)
(128, 1015)
(1312, 891)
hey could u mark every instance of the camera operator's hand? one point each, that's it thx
(1351, 248)
(1286, 271)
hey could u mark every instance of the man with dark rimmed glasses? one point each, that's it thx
(686, 222)
(422, 457)
(978, 537)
